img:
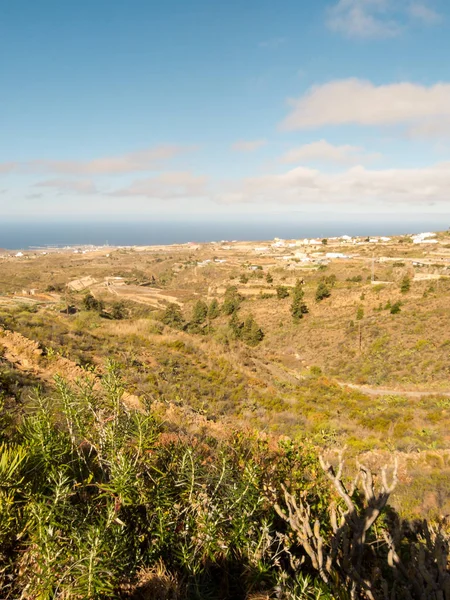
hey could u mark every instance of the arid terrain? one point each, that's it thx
(352, 370)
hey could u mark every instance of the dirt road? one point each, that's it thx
(374, 391)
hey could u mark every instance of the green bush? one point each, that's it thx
(298, 306)
(282, 292)
(322, 291)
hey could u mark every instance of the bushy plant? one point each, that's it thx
(322, 291)
(298, 306)
(282, 292)
(173, 317)
(232, 300)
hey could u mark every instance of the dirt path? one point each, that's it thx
(374, 391)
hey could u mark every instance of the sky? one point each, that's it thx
(235, 110)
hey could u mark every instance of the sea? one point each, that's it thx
(15, 235)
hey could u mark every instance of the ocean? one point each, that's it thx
(26, 235)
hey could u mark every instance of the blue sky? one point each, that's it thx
(230, 110)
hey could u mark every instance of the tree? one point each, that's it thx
(322, 291)
(360, 313)
(91, 303)
(243, 278)
(405, 284)
(298, 306)
(325, 241)
(232, 300)
(200, 312)
(269, 278)
(214, 309)
(251, 333)
(173, 317)
(282, 292)
(118, 311)
(235, 326)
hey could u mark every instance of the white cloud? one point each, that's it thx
(371, 19)
(272, 42)
(358, 184)
(360, 102)
(424, 13)
(167, 186)
(324, 152)
(248, 145)
(77, 186)
(141, 160)
(362, 19)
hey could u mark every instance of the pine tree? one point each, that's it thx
(251, 333)
(214, 309)
(235, 326)
(231, 301)
(200, 312)
(298, 306)
(173, 317)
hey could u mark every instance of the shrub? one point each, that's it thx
(251, 333)
(199, 313)
(395, 308)
(232, 300)
(269, 278)
(173, 317)
(282, 292)
(405, 284)
(214, 309)
(360, 313)
(322, 291)
(118, 311)
(91, 303)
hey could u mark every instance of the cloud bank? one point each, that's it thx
(356, 185)
(355, 101)
(324, 152)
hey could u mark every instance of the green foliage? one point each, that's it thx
(282, 292)
(214, 309)
(322, 291)
(395, 308)
(118, 311)
(94, 492)
(173, 317)
(251, 333)
(298, 306)
(91, 303)
(232, 300)
(330, 279)
(405, 284)
(325, 241)
(243, 278)
(360, 313)
(269, 278)
(235, 326)
(200, 312)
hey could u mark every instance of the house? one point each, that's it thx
(335, 255)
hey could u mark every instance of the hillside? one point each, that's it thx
(215, 391)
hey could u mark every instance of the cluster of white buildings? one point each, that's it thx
(424, 238)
